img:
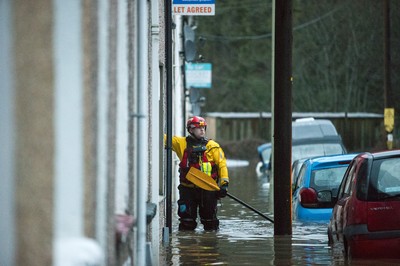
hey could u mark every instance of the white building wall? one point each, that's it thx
(101, 226)
(179, 118)
(156, 137)
(68, 109)
(122, 112)
(7, 140)
(179, 97)
(69, 126)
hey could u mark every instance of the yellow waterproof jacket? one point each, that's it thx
(213, 152)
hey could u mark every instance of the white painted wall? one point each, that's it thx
(101, 226)
(70, 247)
(179, 99)
(155, 130)
(178, 93)
(7, 140)
(121, 185)
(68, 119)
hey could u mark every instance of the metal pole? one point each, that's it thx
(283, 118)
(271, 174)
(142, 132)
(250, 207)
(168, 63)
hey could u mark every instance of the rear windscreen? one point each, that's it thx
(384, 179)
(309, 131)
(317, 130)
(327, 179)
(312, 150)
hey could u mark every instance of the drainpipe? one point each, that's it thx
(179, 92)
(179, 116)
(142, 129)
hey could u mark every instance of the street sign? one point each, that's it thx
(198, 75)
(194, 7)
(389, 119)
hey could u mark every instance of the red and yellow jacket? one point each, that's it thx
(207, 156)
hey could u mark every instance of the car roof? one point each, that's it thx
(383, 154)
(328, 159)
(301, 160)
(306, 128)
(380, 154)
(325, 139)
(310, 131)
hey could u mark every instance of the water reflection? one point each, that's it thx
(246, 238)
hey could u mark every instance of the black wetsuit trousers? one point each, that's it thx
(196, 200)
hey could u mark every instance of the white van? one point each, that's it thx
(310, 137)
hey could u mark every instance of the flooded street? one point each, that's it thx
(246, 238)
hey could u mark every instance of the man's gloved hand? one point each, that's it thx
(222, 192)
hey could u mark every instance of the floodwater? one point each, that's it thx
(246, 238)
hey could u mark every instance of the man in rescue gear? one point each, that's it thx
(197, 151)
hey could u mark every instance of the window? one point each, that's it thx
(327, 179)
(319, 149)
(385, 178)
(301, 176)
(362, 180)
(343, 190)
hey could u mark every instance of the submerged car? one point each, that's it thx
(365, 220)
(310, 137)
(317, 182)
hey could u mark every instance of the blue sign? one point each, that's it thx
(198, 75)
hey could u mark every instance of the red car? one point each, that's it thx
(366, 216)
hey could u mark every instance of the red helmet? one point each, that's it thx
(196, 121)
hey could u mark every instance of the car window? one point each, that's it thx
(327, 179)
(301, 176)
(389, 176)
(294, 173)
(349, 182)
(296, 170)
(312, 150)
(362, 180)
(344, 186)
(307, 131)
(385, 178)
(331, 148)
(328, 130)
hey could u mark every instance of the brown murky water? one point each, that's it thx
(245, 238)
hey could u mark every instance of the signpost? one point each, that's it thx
(194, 7)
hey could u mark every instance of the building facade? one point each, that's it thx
(82, 117)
